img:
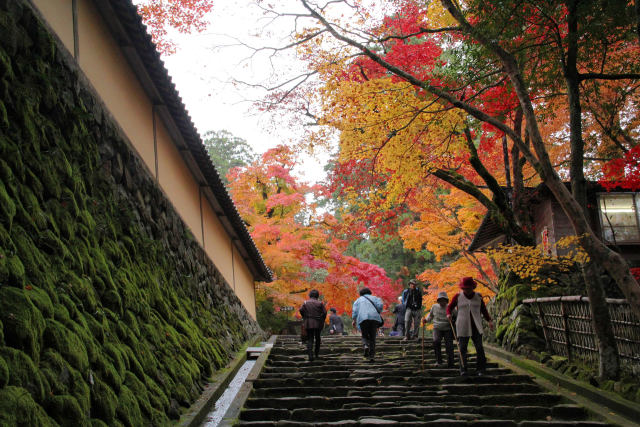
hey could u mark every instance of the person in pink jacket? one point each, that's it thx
(471, 309)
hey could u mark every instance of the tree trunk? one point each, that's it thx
(609, 367)
(520, 207)
(609, 359)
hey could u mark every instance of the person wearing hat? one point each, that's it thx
(441, 329)
(336, 327)
(469, 323)
(412, 300)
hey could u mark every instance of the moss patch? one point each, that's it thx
(23, 372)
(23, 323)
(67, 343)
(108, 316)
(17, 407)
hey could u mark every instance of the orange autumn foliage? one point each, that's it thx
(296, 241)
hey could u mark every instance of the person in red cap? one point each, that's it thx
(469, 323)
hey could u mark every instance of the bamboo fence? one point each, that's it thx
(566, 323)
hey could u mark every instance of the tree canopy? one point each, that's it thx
(227, 152)
(298, 242)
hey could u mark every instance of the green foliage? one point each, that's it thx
(227, 151)
(270, 320)
(390, 254)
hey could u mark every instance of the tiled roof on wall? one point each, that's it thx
(131, 35)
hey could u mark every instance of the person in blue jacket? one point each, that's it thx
(366, 314)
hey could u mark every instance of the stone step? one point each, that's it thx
(418, 412)
(320, 371)
(325, 402)
(342, 388)
(452, 389)
(357, 380)
(370, 421)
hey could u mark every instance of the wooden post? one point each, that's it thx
(565, 326)
(547, 340)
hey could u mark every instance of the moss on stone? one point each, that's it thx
(12, 271)
(32, 258)
(7, 206)
(81, 329)
(67, 343)
(23, 323)
(111, 299)
(17, 407)
(61, 314)
(32, 207)
(140, 392)
(82, 289)
(106, 370)
(4, 372)
(128, 410)
(157, 396)
(97, 329)
(103, 401)
(64, 379)
(51, 244)
(65, 410)
(115, 295)
(23, 372)
(40, 298)
(68, 302)
(159, 418)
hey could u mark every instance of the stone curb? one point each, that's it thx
(613, 408)
(196, 414)
(231, 416)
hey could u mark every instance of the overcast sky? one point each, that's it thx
(206, 64)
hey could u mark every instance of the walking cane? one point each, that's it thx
(422, 346)
(462, 364)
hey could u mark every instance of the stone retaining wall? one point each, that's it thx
(110, 312)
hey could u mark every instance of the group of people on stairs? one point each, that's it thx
(466, 310)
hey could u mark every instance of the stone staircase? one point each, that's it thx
(343, 388)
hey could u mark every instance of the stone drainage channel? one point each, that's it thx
(229, 395)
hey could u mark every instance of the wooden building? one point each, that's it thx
(119, 62)
(614, 216)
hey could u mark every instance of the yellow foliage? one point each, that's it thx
(447, 279)
(404, 135)
(530, 263)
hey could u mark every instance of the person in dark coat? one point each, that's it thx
(336, 327)
(313, 314)
(399, 311)
(412, 300)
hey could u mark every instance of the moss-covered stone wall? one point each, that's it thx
(110, 312)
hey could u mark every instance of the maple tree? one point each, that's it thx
(442, 89)
(184, 16)
(623, 172)
(297, 242)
